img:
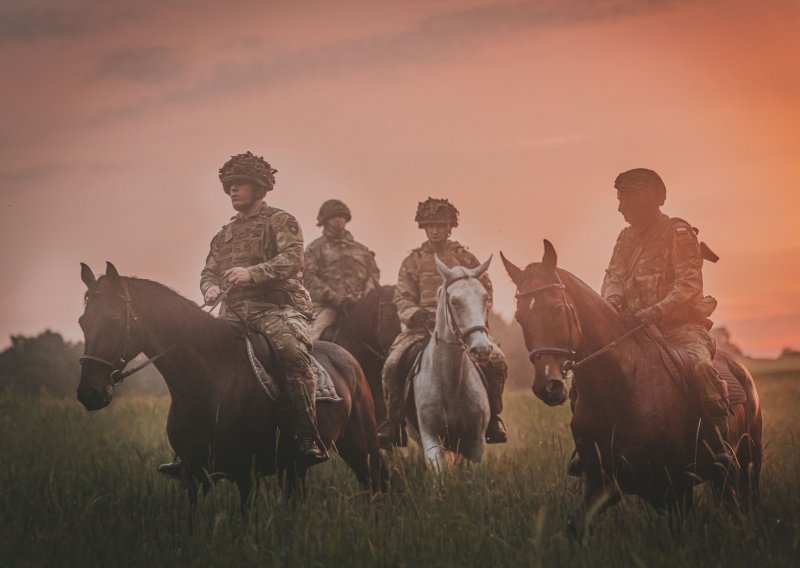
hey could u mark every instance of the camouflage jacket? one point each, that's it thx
(338, 265)
(661, 266)
(419, 279)
(270, 245)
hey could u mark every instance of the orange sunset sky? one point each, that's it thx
(115, 117)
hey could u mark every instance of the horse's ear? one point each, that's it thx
(513, 270)
(480, 269)
(87, 276)
(443, 269)
(550, 259)
(111, 273)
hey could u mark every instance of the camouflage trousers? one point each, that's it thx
(324, 317)
(495, 370)
(288, 330)
(700, 347)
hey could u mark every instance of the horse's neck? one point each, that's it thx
(191, 362)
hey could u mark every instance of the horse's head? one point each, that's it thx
(549, 323)
(109, 343)
(466, 307)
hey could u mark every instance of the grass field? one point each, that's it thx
(80, 489)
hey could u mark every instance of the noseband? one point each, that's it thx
(461, 336)
(572, 324)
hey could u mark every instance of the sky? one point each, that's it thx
(116, 116)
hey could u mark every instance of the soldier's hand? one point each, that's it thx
(212, 294)
(649, 315)
(421, 318)
(237, 275)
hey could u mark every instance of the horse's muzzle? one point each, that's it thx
(93, 399)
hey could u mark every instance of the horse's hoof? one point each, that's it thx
(173, 469)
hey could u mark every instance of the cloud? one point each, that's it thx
(141, 64)
(29, 23)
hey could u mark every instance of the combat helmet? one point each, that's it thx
(642, 179)
(433, 211)
(333, 208)
(247, 167)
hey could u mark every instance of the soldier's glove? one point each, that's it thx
(617, 302)
(649, 315)
(422, 318)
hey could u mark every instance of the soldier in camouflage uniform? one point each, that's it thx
(415, 298)
(260, 255)
(655, 274)
(338, 270)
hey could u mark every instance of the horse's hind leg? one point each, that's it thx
(359, 448)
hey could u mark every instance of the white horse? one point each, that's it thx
(452, 407)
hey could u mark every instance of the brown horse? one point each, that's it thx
(367, 329)
(635, 426)
(221, 422)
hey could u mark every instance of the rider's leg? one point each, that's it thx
(391, 432)
(288, 332)
(496, 372)
(700, 348)
(324, 317)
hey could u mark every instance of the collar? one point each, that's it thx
(261, 211)
(345, 236)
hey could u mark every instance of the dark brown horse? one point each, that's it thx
(221, 422)
(367, 329)
(635, 426)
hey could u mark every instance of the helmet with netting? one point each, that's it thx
(433, 211)
(333, 208)
(247, 167)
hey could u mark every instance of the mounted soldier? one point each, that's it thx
(339, 271)
(258, 258)
(655, 275)
(415, 298)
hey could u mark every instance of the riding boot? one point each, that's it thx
(495, 373)
(392, 431)
(172, 469)
(300, 393)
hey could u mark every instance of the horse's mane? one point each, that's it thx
(163, 303)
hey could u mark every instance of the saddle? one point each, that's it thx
(677, 364)
(267, 368)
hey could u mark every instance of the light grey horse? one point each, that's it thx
(451, 403)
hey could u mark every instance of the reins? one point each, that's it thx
(461, 336)
(571, 364)
(118, 372)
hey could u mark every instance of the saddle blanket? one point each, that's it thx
(325, 391)
(736, 394)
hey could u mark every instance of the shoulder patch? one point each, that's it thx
(293, 227)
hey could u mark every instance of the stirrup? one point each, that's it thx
(311, 451)
(172, 469)
(575, 467)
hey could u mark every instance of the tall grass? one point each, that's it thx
(82, 489)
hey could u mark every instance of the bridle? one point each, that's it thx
(117, 374)
(570, 363)
(572, 325)
(450, 320)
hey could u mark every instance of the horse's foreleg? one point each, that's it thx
(598, 493)
(432, 450)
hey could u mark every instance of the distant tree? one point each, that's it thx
(789, 352)
(46, 364)
(509, 336)
(42, 364)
